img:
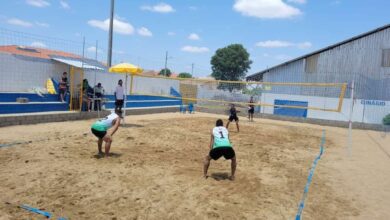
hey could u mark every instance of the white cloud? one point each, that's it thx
(280, 44)
(193, 49)
(38, 44)
(297, 1)
(273, 44)
(171, 33)
(18, 22)
(120, 27)
(193, 36)
(38, 3)
(269, 9)
(93, 50)
(64, 5)
(283, 57)
(143, 31)
(42, 24)
(280, 57)
(118, 51)
(266, 55)
(337, 2)
(304, 45)
(160, 8)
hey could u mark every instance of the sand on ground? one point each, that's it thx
(155, 171)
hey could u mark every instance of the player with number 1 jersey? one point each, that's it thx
(220, 146)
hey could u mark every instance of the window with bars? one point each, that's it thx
(311, 63)
(386, 58)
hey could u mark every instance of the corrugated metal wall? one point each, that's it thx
(360, 60)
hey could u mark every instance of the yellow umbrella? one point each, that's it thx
(126, 68)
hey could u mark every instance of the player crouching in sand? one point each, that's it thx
(220, 146)
(101, 129)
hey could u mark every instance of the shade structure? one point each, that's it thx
(126, 68)
(77, 63)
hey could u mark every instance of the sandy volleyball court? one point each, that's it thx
(156, 171)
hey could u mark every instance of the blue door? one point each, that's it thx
(294, 112)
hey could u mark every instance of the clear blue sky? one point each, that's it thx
(272, 31)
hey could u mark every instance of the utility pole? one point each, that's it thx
(109, 53)
(166, 60)
(192, 70)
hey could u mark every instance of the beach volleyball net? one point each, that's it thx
(220, 94)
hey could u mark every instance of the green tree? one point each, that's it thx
(230, 63)
(252, 91)
(165, 72)
(386, 120)
(185, 75)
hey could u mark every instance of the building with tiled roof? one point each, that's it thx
(23, 67)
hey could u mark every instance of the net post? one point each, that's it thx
(350, 118)
(131, 84)
(81, 90)
(71, 88)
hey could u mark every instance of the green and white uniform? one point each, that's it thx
(105, 123)
(221, 137)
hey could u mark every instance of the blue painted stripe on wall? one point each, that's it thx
(11, 97)
(41, 107)
(49, 102)
(294, 112)
(33, 97)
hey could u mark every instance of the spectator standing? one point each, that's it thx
(251, 109)
(63, 86)
(119, 96)
(99, 91)
(87, 95)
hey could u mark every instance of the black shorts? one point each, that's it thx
(62, 91)
(99, 134)
(233, 117)
(251, 110)
(227, 152)
(119, 103)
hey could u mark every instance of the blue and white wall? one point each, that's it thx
(366, 111)
(20, 75)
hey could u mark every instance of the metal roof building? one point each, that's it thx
(364, 58)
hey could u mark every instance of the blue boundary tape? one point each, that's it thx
(10, 144)
(309, 178)
(35, 210)
(38, 211)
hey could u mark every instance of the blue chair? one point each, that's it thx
(191, 107)
(182, 109)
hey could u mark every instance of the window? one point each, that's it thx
(311, 63)
(386, 58)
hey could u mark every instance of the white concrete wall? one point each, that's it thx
(109, 81)
(20, 74)
(155, 86)
(368, 113)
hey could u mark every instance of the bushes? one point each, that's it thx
(386, 120)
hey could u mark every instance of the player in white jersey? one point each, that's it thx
(101, 129)
(220, 146)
